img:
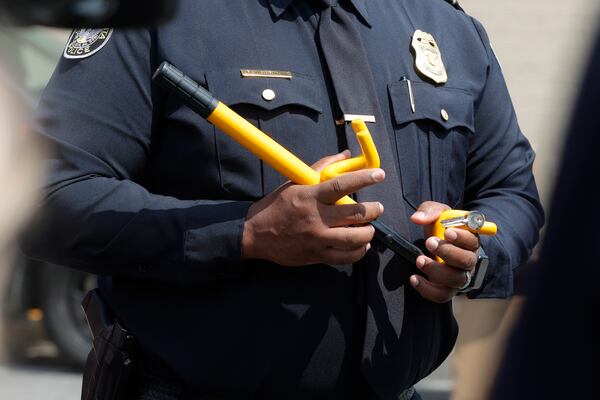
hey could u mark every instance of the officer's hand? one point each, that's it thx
(300, 224)
(458, 250)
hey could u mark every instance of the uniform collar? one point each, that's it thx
(279, 6)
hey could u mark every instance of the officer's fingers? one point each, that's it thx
(348, 237)
(334, 189)
(451, 254)
(441, 274)
(326, 161)
(428, 212)
(351, 214)
(431, 291)
(462, 238)
(335, 256)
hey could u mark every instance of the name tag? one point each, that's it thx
(265, 73)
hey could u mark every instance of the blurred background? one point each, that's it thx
(542, 46)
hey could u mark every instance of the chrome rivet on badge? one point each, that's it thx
(268, 94)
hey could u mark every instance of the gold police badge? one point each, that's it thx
(428, 58)
(84, 42)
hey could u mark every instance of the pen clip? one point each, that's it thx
(410, 94)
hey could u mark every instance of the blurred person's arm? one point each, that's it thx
(19, 164)
(553, 352)
(99, 116)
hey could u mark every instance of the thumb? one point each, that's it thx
(326, 161)
(428, 212)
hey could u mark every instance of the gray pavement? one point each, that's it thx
(29, 382)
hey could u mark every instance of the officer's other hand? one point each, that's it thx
(300, 224)
(458, 250)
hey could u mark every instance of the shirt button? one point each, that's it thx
(268, 94)
(445, 115)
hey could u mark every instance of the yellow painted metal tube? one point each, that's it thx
(265, 148)
(369, 157)
(369, 151)
(341, 167)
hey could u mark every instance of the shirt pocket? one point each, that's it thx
(432, 143)
(285, 109)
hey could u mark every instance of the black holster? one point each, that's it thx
(109, 369)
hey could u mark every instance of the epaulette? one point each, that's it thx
(455, 4)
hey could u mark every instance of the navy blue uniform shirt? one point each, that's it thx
(147, 194)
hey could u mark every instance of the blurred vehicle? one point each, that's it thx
(36, 291)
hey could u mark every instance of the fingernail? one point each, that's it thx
(381, 208)
(346, 153)
(378, 175)
(419, 214)
(420, 262)
(414, 281)
(432, 243)
(450, 235)
(368, 246)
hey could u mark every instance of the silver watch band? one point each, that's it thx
(476, 281)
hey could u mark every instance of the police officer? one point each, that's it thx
(238, 285)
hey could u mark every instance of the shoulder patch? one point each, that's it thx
(85, 42)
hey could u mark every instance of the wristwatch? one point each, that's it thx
(476, 281)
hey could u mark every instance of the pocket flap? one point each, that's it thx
(268, 93)
(448, 107)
